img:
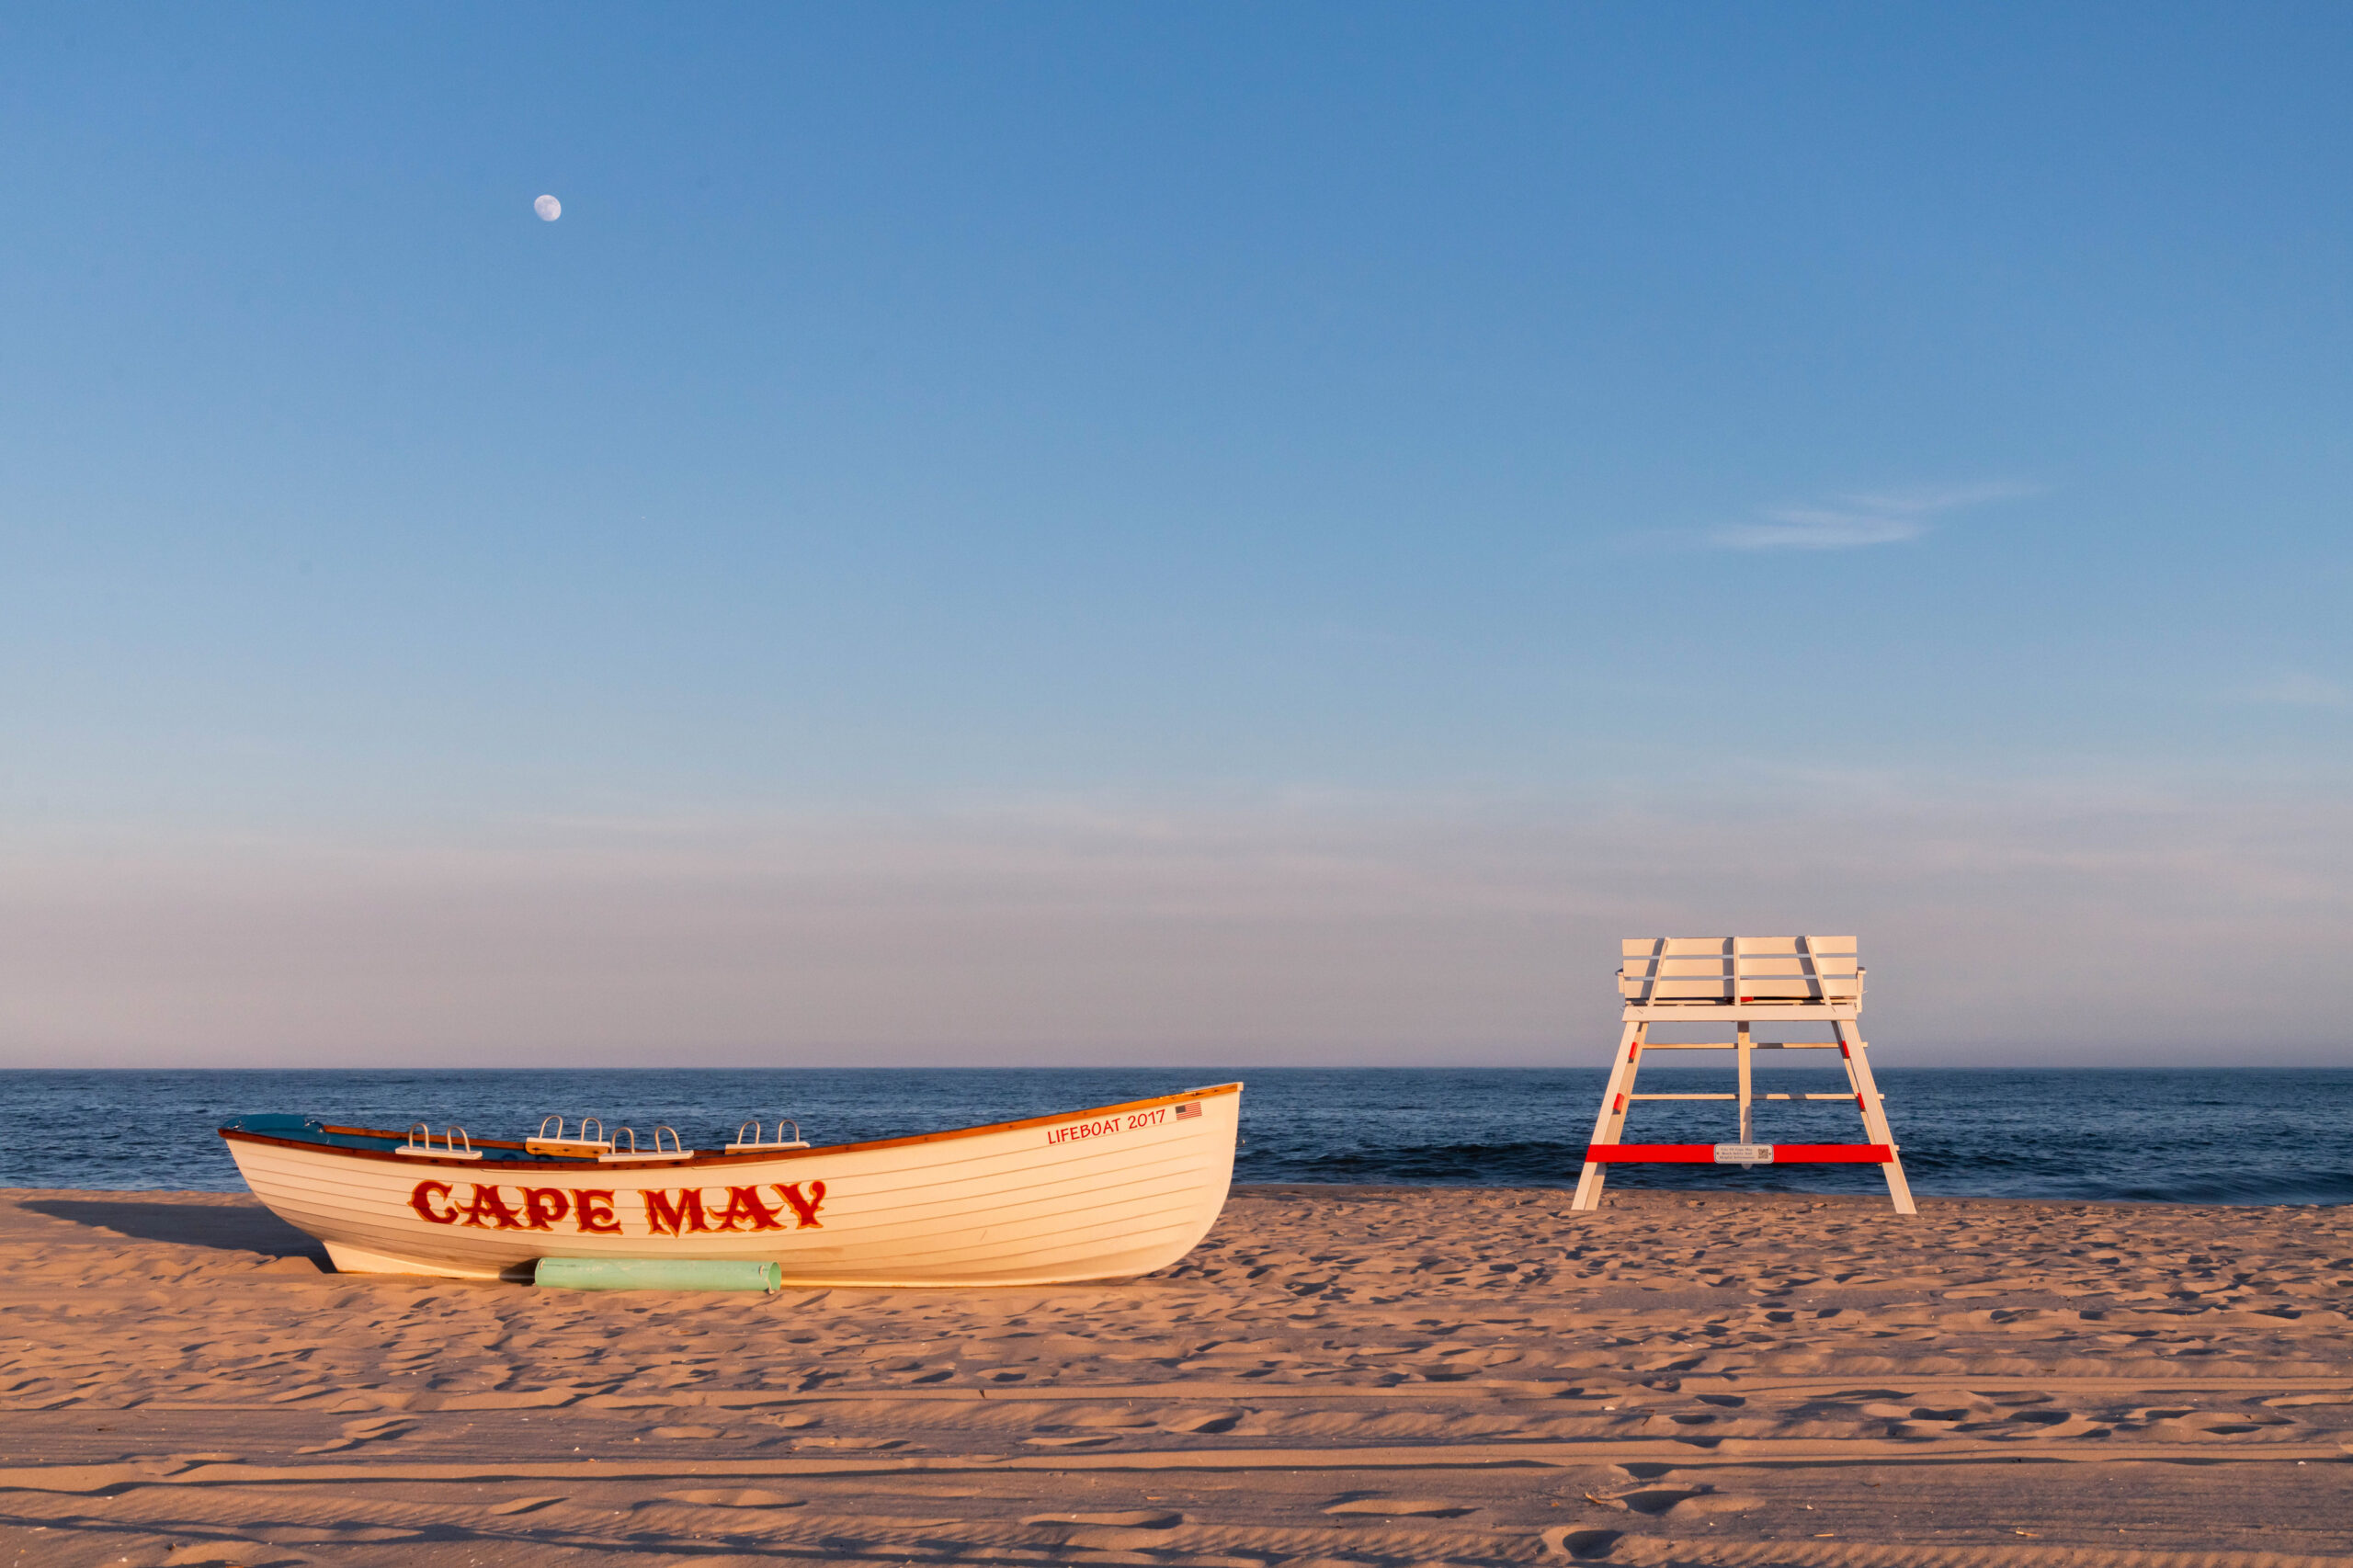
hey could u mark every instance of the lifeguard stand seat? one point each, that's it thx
(1740, 981)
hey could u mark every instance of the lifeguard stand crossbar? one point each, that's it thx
(1740, 981)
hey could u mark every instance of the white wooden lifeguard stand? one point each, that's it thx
(1741, 980)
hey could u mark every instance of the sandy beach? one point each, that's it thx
(1338, 1375)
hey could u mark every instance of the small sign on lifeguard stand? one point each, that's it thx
(1741, 981)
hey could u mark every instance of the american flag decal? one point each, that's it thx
(1185, 1110)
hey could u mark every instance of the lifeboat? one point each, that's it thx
(1100, 1194)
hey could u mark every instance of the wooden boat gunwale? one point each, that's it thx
(559, 1163)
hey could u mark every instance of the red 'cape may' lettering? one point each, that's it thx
(665, 1218)
(743, 1203)
(681, 1213)
(593, 1209)
(488, 1210)
(670, 1213)
(804, 1210)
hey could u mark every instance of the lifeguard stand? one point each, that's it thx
(1740, 981)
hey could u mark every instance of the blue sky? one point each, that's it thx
(1077, 426)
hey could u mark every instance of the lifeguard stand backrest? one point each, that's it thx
(1701, 971)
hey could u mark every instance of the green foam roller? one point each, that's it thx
(657, 1274)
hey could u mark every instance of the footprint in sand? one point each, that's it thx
(2048, 1419)
(358, 1432)
(1095, 1440)
(1208, 1421)
(850, 1443)
(1401, 1507)
(1707, 1501)
(1585, 1545)
(733, 1498)
(1125, 1420)
(1656, 1501)
(241, 1553)
(522, 1505)
(2228, 1424)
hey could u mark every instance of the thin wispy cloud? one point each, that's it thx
(1850, 522)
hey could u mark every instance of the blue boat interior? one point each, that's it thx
(312, 1130)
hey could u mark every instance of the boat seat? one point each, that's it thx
(633, 1154)
(420, 1144)
(755, 1144)
(586, 1145)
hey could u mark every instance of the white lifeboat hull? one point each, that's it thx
(1099, 1194)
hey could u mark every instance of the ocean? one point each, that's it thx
(2274, 1136)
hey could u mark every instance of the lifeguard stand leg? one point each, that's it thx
(1875, 1128)
(1610, 1124)
(1742, 1046)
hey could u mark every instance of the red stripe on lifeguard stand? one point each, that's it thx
(1705, 1153)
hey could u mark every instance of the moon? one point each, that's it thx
(548, 207)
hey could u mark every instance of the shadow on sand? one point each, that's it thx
(237, 1228)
